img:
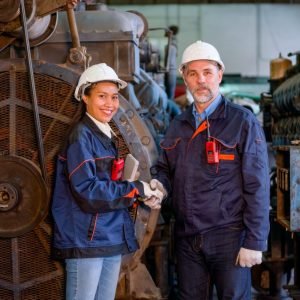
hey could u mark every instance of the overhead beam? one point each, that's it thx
(156, 2)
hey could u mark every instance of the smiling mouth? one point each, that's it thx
(108, 112)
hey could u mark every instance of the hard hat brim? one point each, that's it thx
(121, 84)
(220, 63)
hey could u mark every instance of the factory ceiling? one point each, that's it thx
(153, 2)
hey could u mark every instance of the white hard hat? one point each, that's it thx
(97, 73)
(200, 50)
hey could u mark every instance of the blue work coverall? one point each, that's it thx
(218, 207)
(90, 211)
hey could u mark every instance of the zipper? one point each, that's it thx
(92, 227)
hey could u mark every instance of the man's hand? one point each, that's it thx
(151, 192)
(154, 183)
(248, 258)
(153, 203)
(71, 3)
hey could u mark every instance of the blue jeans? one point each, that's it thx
(92, 278)
(208, 260)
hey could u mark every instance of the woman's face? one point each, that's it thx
(103, 101)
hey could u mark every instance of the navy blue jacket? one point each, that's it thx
(234, 191)
(90, 211)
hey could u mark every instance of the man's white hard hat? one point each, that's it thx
(198, 51)
(97, 73)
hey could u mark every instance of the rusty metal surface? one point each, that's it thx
(39, 32)
(49, 7)
(9, 10)
(110, 36)
(23, 196)
(26, 270)
(5, 41)
(15, 24)
(41, 21)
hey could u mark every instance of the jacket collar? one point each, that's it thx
(219, 113)
(106, 141)
(104, 127)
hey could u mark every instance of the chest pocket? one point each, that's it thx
(170, 143)
(172, 147)
(104, 164)
(227, 152)
(228, 158)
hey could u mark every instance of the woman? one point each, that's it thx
(92, 225)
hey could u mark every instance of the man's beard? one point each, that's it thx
(203, 98)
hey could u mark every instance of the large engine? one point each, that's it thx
(281, 109)
(43, 52)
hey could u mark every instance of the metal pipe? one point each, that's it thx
(73, 28)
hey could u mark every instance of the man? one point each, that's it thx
(214, 166)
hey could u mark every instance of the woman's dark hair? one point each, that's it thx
(88, 89)
(81, 109)
(79, 114)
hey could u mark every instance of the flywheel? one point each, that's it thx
(23, 196)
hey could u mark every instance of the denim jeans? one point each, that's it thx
(208, 260)
(92, 278)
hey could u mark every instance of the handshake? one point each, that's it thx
(154, 193)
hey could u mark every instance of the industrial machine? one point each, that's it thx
(44, 47)
(279, 275)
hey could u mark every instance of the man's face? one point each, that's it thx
(202, 78)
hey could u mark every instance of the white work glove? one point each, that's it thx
(149, 192)
(153, 203)
(154, 183)
(248, 258)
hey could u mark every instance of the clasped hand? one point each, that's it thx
(248, 258)
(154, 194)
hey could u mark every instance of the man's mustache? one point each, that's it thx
(200, 87)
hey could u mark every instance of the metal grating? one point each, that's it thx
(6, 294)
(4, 86)
(122, 146)
(35, 244)
(27, 270)
(6, 262)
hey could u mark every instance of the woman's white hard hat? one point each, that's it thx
(200, 51)
(97, 73)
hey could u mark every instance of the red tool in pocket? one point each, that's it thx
(212, 152)
(211, 147)
(117, 169)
